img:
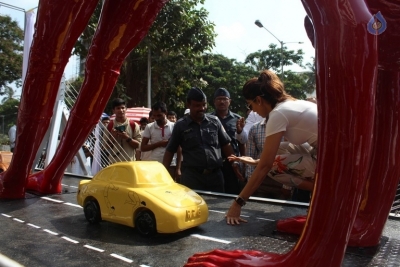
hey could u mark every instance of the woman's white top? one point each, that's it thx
(298, 119)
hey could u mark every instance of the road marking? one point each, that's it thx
(70, 240)
(211, 239)
(50, 232)
(265, 219)
(5, 261)
(50, 199)
(35, 226)
(121, 258)
(141, 265)
(94, 248)
(67, 238)
(73, 205)
(217, 211)
(69, 186)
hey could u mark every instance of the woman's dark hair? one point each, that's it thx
(268, 86)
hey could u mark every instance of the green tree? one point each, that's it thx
(310, 76)
(176, 40)
(11, 50)
(81, 47)
(9, 93)
(297, 84)
(8, 114)
(271, 58)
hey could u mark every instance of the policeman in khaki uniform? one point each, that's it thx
(202, 139)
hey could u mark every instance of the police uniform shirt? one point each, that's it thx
(201, 143)
(229, 123)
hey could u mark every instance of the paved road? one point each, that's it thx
(52, 231)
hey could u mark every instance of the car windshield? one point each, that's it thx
(152, 176)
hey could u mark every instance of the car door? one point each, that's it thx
(121, 199)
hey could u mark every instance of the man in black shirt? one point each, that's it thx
(228, 119)
(202, 138)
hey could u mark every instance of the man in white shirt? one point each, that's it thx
(243, 128)
(156, 136)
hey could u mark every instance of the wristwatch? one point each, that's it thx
(129, 140)
(240, 201)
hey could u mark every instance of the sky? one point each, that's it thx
(234, 20)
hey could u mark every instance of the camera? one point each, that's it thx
(120, 128)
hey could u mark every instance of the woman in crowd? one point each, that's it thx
(294, 120)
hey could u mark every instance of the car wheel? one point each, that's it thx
(92, 212)
(145, 223)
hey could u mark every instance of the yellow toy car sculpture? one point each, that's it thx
(143, 195)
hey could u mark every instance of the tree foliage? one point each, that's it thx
(11, 50)
(82, 45)
(177, 39)
(272, 58)
(9, 93)
(8, 114)
(311, 77)
(296, 84)
(178, 46)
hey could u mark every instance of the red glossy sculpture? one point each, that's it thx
(358, 84)
(383, 175)
(358, 93)
(122, 26)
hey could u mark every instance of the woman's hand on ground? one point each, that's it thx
(233, 215)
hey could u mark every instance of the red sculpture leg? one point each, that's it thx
(292, 225)
(122, 26)
(49, 55)
(384, 172)
(347, 69)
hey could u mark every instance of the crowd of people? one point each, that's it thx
(270, 153)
